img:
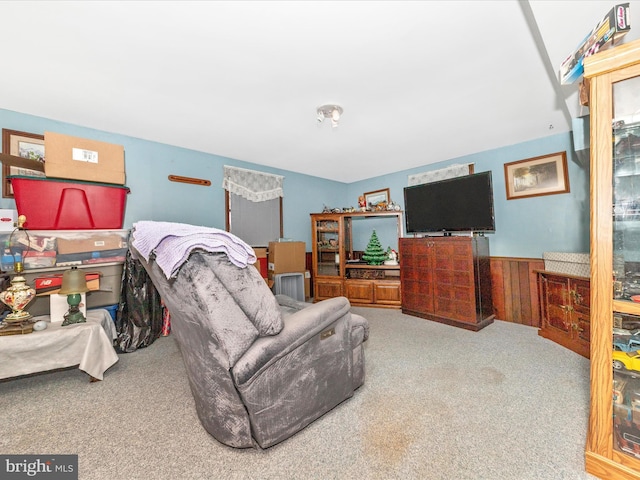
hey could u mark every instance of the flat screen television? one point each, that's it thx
(460, 204)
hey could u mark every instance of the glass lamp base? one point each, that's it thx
(74, 315)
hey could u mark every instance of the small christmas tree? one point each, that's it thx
(374, 254)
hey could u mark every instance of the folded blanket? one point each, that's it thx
(173, 242)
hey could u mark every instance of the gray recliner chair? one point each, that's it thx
(261, 367)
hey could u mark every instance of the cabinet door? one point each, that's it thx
(327, 288)
(416, 274)
(359, 291)
(625, 253)
(387, 293)
(327, 248)
(580, 294)
(454, 290)
(556, 304)
(581, 326)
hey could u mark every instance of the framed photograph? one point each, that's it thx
(545, 175)
(373, 199)
(20, 144)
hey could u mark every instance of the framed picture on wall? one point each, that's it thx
(378, 197)
(25, 145)
(533, 177)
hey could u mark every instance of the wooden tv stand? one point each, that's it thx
(447, 279)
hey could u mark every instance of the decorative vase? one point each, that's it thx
(17, 297)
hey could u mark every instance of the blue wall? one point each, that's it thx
(154, 197)
(524, 227)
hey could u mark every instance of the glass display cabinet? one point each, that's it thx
(613, 442)
(337, 268)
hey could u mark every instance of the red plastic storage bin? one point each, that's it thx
(54, 204)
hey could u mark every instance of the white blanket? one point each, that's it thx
(173, 242)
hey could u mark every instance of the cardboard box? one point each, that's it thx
(568, 263)
(94, 243)
(307, 284)
(261, 262)
(286, 257)
(83, 159)
(51, 284)
(613, 26)
(32, 259)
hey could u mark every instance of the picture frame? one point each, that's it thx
(377, 197)
(537, 176)
(24, 145)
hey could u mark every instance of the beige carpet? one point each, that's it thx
(438, 403)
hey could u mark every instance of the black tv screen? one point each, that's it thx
(453, 205)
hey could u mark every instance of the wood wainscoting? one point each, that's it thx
(514, 289)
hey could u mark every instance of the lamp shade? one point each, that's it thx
(73, 281)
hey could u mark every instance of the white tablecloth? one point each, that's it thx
(84, 344)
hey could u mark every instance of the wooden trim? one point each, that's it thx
(600, 424)
(606, 61)
(281, 220)
(227, 216)
(190, 180)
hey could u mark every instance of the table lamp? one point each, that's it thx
(74, 284)
(19, 294)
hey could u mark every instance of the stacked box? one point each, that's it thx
(286, 257)
(32, 259)
(51, 204)
(83, 159)
(47, 249)
(108, 293)
(614, 25)
(261, 260)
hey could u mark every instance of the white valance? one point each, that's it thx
(251, 184)
(451, 171)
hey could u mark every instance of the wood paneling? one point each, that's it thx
(515, 290)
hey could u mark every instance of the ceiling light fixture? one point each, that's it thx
(332, 112)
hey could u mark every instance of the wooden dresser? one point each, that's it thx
(565, 309)
(447, 279)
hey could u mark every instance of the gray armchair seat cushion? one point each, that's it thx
(260, 367)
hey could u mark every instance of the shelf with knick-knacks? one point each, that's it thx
(340, 270)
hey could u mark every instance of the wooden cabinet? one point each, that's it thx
(336, 270)
(613, 440)
(565, 310)
(447, 279)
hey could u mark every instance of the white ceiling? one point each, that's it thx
(420, 82)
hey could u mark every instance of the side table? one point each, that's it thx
(84, 344)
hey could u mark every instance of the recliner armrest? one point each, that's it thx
(298, 329)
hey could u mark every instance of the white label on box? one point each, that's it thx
(82, 155)
(8, 218)
(99, 243)
(272, 266)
